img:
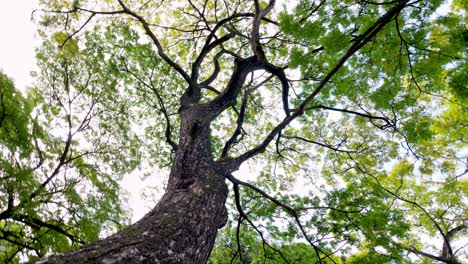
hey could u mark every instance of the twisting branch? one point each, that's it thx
(242, 68)
(205, 50)
(229, 19)
(279, 73)
(209, 44)
(216, 70)
(234, 163)
(255, 38)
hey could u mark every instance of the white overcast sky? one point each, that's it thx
(17, 40)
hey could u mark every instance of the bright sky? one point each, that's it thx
(17, 40)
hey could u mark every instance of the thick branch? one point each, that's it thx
(255, 39)
(446, 248)
(234, 163)
(425, 254)
(206, 49)
(217, 69)
(279, 73)
(242, 68)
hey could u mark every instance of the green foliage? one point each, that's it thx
(374, 166)
(380, 192)
(255, 250)
(14, 118)
(64, 149)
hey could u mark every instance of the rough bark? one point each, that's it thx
(182, 227)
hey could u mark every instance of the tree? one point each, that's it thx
(372, 91)
(58, 194)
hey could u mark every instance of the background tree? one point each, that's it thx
(63, 154)
(359, 103)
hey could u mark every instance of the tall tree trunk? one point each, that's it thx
(182, 227)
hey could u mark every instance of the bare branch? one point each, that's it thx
(78, 30)
(388, 122)
(240, 121)
(243, 215)
(334, 148)
(255, 38)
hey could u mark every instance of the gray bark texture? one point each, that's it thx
(182, 227)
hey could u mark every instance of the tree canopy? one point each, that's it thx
(349, 114)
